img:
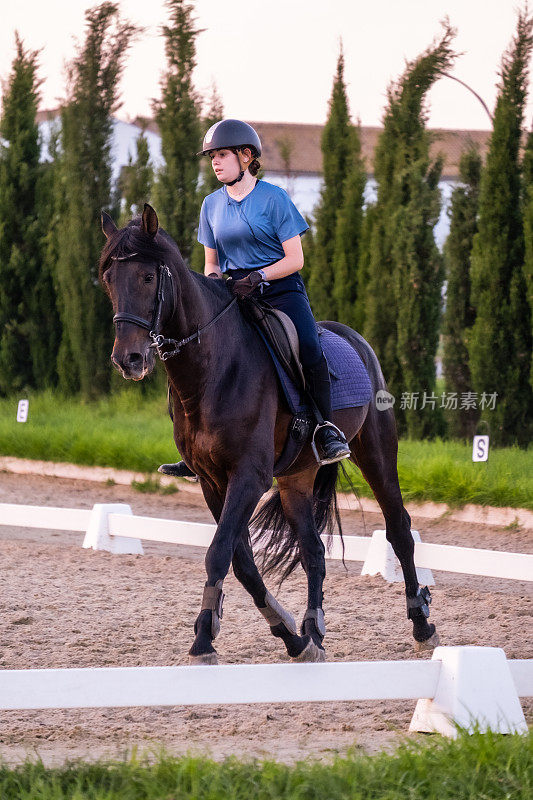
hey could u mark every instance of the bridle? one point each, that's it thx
(165, 284)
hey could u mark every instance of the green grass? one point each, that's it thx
(126, 431)
(478, 767)
(132, 431)
(445, 473)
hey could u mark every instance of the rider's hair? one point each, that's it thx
(255, 165)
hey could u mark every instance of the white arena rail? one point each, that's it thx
(61, 519)
(115, 528)
(465, 685)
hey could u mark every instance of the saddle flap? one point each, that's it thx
(281, 333)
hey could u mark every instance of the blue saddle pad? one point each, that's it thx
(350, 384)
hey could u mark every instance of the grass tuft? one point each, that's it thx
(482, 766)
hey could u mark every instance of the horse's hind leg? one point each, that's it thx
(375, 450)
(296, 495)
(281, 623)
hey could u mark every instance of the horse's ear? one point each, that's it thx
(108, 226)
(150, 223)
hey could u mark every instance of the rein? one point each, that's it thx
(164, 276)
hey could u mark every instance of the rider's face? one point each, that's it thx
(225, 165)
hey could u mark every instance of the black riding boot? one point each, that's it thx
(330, 442)
(178, 470)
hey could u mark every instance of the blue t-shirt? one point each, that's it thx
(249, 233)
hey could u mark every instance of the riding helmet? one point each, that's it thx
(230, 133)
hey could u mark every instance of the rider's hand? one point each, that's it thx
(245, 286)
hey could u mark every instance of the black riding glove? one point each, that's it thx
(245, 286)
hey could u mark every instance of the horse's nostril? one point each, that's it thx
(133, 360)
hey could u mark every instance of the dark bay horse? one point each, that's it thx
(230, 425)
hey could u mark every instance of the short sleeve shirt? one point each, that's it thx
(249, 233)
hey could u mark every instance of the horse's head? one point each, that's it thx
(132, 272)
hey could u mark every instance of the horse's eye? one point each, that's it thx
(148, 278)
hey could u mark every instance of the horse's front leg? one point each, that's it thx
(280, 621)
(244, 491)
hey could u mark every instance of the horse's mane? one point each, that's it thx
(132, 239)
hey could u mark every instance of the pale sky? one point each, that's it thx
(275, 60)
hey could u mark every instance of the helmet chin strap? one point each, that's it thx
(232, 183)
(241, 173)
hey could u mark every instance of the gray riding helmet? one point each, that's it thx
(230, 133)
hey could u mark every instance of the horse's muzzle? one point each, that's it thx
(133, 365)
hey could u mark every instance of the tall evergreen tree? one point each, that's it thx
(21, 274)
(215, 112)
(85, 188)
(500, 344)
(337, 143)
(348, 236)
(403, 295)
(136, 181)
(528, 231)
(363, 266)
(47, 324)
(178, 117)
(209, 181)
(459, 315)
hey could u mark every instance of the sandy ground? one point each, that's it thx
(62, 606)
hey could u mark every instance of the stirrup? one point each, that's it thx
(340, 457)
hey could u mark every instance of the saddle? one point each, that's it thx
(280, 333)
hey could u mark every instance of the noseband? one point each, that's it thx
(165, 284)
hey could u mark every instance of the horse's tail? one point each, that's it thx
(279, 543)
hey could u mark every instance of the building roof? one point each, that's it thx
(297, 146)
(306, 155)
(293, 148)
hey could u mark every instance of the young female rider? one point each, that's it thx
(251, 232)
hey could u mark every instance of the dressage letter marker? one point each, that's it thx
(22, 410)
(480, 451)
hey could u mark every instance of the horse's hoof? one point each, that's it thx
(205, 658)
(428, 644)
(311, 652)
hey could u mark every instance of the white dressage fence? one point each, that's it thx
(466, 686)
(474, 687)
(113, 527)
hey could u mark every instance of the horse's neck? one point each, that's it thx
(194, 304)
(197, 304)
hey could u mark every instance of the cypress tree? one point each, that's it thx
(528, 231)
(84, 189)
(215, 113)
(405, 268)
(500, 344)
(178, 117)
(209, 181)
(459, 315)
(337, 143)
(136, 181)
(20, 233)
(47, 323)
(348, 236)
(363, 266)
